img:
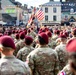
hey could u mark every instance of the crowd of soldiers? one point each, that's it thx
(47, 50)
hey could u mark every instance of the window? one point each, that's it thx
(54, 10)
(46, 10)
(46, 17)
(54, 18)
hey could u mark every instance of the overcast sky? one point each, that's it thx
(34, 2)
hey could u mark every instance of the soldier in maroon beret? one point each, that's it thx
(70, 68)
(61, 51)
(20, 44)
(43, 60)
(23, 52)
(56, 34)
(17, 38)
(13, 34)
(9, 64)
(52, 43)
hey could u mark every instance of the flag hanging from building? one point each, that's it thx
(40, 14)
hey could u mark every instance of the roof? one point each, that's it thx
(15, 2)
(52, 3)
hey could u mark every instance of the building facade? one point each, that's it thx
(68, 10)
(11, 10)
(52, 12)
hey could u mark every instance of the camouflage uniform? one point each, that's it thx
(22, 54)
(9, 65)
(43, 61)
(52, 44)
(62, 55)
(33, 34)
(16, 41)
(54, 37)
(66, 70)
(13, 36)
(19, 45)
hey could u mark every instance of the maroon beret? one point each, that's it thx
(29, 30)
(71, 46)
(20, 31)
(66, 33)
(1, 34)
(61, 33)
(32, 29)
(29, 39)
(58, 32)
(62, 36)
(55, 31)
(22, 35)
(49, 34)
(39, 32)
(7, 41)
(25, 31)
(46, 29)
(9, 32)
(16, 31)
(17, 36)
(44, 36)
(13, 31)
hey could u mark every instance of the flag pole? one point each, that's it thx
(40, 23)
(41, 20)
(31, 17)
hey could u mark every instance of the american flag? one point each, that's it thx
(30, 20)
(40, 14)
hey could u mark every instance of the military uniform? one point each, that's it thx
(22, 54)
(33, 34)
(43, 61)
(9, 65)
(13, 36)
(66, 71)
(54, 37)
(52, 44)
(62, 55)
(19, 45)
(16, 41)
(17, 38)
